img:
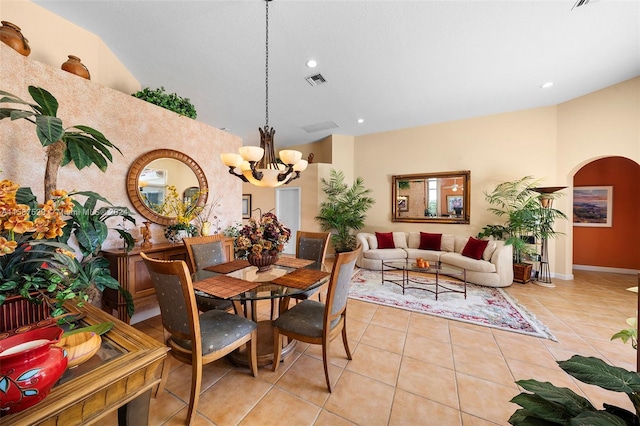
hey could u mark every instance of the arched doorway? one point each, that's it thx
(609, 247)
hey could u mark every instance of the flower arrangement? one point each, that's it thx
(209, 216)
(263, 236)
(184, 210)
(35, 261)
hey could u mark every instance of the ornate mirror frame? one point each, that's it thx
(133, 187)
(414, 205)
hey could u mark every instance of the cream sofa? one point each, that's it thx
(495, 269)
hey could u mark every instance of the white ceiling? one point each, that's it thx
(396, 64)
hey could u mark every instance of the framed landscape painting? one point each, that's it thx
(592, 206)
(246, 206)
(403, 203)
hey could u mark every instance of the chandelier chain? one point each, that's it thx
(266, 65)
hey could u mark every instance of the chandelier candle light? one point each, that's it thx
(259, 165)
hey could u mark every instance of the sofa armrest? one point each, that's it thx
(503, 259)
(361, 238)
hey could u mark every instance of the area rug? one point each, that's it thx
(485, 306)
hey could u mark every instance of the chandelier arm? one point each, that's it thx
(257, 175)
(285, 173)
(241, 176)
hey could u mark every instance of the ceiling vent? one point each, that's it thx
(315, 79)
(579, 3)
(326, 125)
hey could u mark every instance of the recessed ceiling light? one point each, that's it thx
(360, 120)
(547, 84)
(312, 63)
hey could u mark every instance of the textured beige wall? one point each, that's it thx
(53, 38)
(133, 125)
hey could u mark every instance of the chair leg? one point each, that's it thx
(325, 361)
(196, 383)
(252, 353)
(166, 367)
(344, 339)
(277, 348)
(273, 308)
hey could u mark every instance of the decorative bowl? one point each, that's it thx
(80, 347)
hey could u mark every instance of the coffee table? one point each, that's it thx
(406, 282)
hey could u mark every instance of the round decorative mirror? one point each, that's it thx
(151, 175)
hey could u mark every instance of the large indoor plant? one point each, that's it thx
(344, 210)
(546, 404)
(36, 261)
(527, 221)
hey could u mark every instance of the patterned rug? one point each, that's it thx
(486, 306)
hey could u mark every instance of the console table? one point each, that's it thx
(131, 272)
(91, 391)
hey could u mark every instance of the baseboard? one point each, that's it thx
(566, 277)
(606, 269)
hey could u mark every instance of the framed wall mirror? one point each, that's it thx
(152, 173)
(431, 197)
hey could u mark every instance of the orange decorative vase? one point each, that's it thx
(11, 36)
(264, 262)
(74, 66)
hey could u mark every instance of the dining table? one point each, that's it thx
(244, 286)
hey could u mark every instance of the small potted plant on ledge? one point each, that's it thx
(526, 221)
(344, 210)
(170, 101)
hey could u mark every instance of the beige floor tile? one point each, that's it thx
(483, 365)
(524, 371)
(410, 409)
(391, 318)
(486, 400)
(469, 420)
(484, 342)
(337, 353)
(279, 407)
(429, 381)
(429, 350)
(525, 348)
(355, 328)
(231, 398)
(181, 418)
(306, 379)
(429, 326)
(270, 376)
(179, 382)
(361, 311)
(329, 419)
(361, 400)
(164, 407)
(384, 338)
(375, 363)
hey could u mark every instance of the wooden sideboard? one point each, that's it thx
(97, 388)
(131, 272)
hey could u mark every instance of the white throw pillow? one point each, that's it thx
(488, 252)
(373, 242)
(447, 242)
(400, 240)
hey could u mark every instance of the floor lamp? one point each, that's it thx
(546, 200)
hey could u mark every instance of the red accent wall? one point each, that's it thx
(619, 245)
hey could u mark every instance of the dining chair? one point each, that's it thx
(311, 246)
(195, 338)
(317, 323)
(202, 252)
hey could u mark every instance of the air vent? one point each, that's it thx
(580, 3)
(315, 79)
(326, 125)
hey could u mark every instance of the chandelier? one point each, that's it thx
(259, 165)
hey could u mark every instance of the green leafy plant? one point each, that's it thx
(170, 101)
(526, 219)
(344, 210)
(547, 404)
(629, 334)
(82, 145)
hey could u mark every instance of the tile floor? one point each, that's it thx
(410, 368)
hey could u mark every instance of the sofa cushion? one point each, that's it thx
(373, 242)
(385, 254)
(430, 241)
(488, 252)
(385, 240)
(460, 261)
(400, 239)
(430, 255)
(474, 248)
(447, 243)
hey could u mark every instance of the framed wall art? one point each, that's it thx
(403, 203)
(246, 206)
(592, 206)
(454, 203)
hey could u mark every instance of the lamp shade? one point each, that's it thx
(289, 156)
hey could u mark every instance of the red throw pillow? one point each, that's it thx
(385, 240)
(430, 241)
(474, 248)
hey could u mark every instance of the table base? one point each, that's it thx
(406, 281)
(265, 348)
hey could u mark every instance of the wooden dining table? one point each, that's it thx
(244, 286)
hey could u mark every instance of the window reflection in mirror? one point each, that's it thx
(431, 197)
(158, 175)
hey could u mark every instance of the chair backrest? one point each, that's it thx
(338, 290)
(174, 290)
(312, 245)
(205, 251)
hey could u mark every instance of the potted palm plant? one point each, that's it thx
(35, 260)
(344, 210)
(527, 221)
